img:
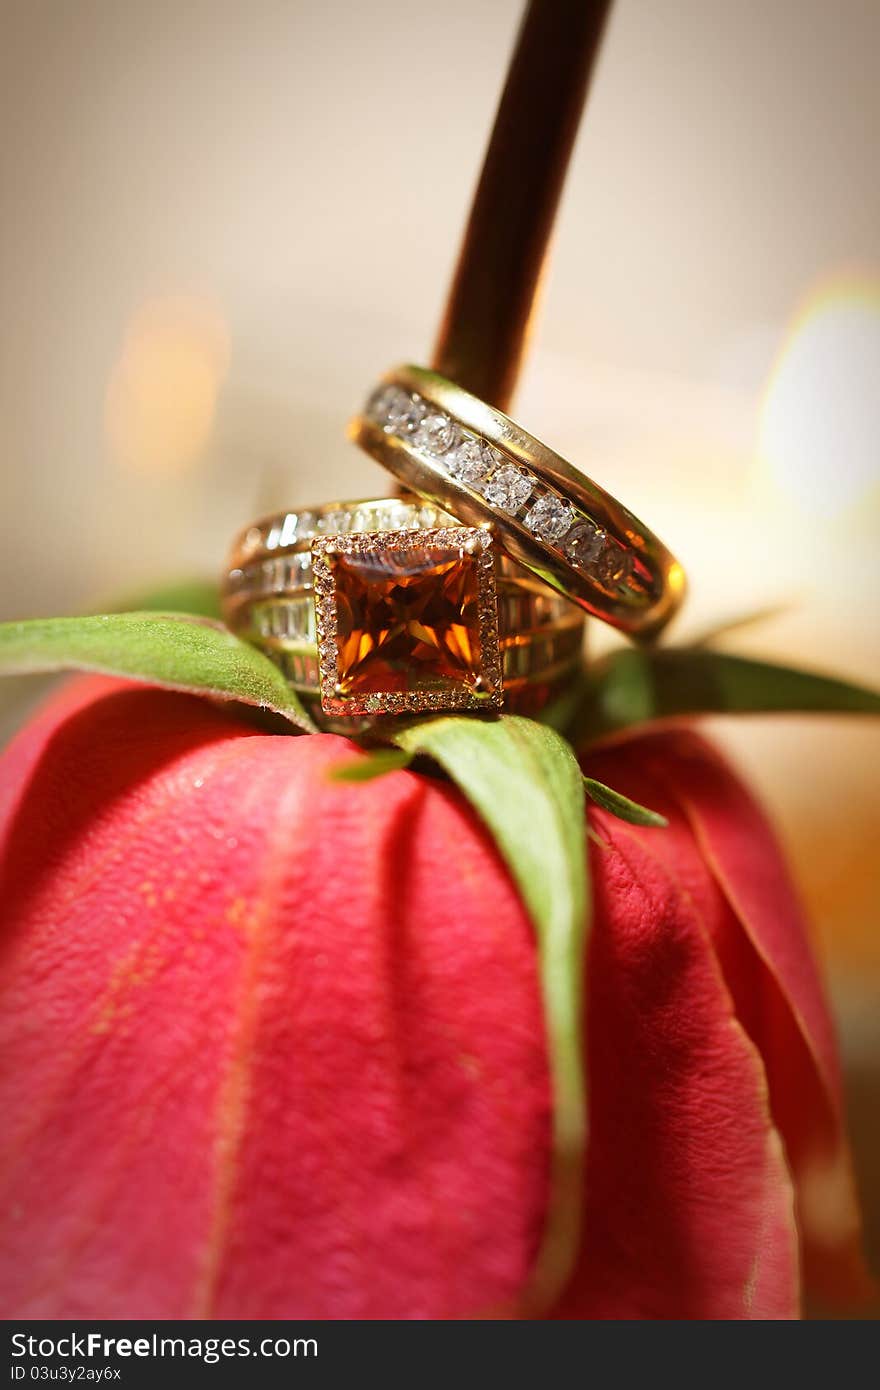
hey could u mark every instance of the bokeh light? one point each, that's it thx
(821, 417)
(162, 393)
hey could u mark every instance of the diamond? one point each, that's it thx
(293, 620)
(287, 534)
(471, 462)
(508, 488)
(406, 413)
(292, 569)
(549, 518)
(584, 543)
(437, 434)
(332, 522)
(391, 517)
(296, 526)
(322, 582)
(613, 565)
(252, 541)
(381, 402)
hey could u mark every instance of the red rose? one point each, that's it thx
(273, 1045)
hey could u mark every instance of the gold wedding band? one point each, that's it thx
(461, 455)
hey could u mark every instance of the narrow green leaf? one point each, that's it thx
(738, 622)
(524, 781)
(621, 806)
(167, 649)
(642, 686)
(374, 765)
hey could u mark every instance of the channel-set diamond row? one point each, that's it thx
(293, 528)
(284, 610)
(280, 573)
(508, 486)
(287, 629)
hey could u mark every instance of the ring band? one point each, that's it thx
(289, 533)
(459, 454)
(414, 618)
(273, 555)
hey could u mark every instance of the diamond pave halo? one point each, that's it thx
(407, 621)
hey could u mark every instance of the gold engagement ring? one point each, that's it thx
(392, 607)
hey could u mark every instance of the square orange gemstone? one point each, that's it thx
(407, 621)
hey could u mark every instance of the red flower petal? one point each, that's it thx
(272, 1046)
(689, 1202)
(764, 950)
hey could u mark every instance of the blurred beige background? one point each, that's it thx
(223, 219)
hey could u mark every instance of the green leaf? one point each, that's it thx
(635, 686)
(621, 806)
(172, 650)
(710, 635)
(525, 783)
(374, 765)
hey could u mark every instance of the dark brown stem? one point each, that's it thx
(485, 326)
